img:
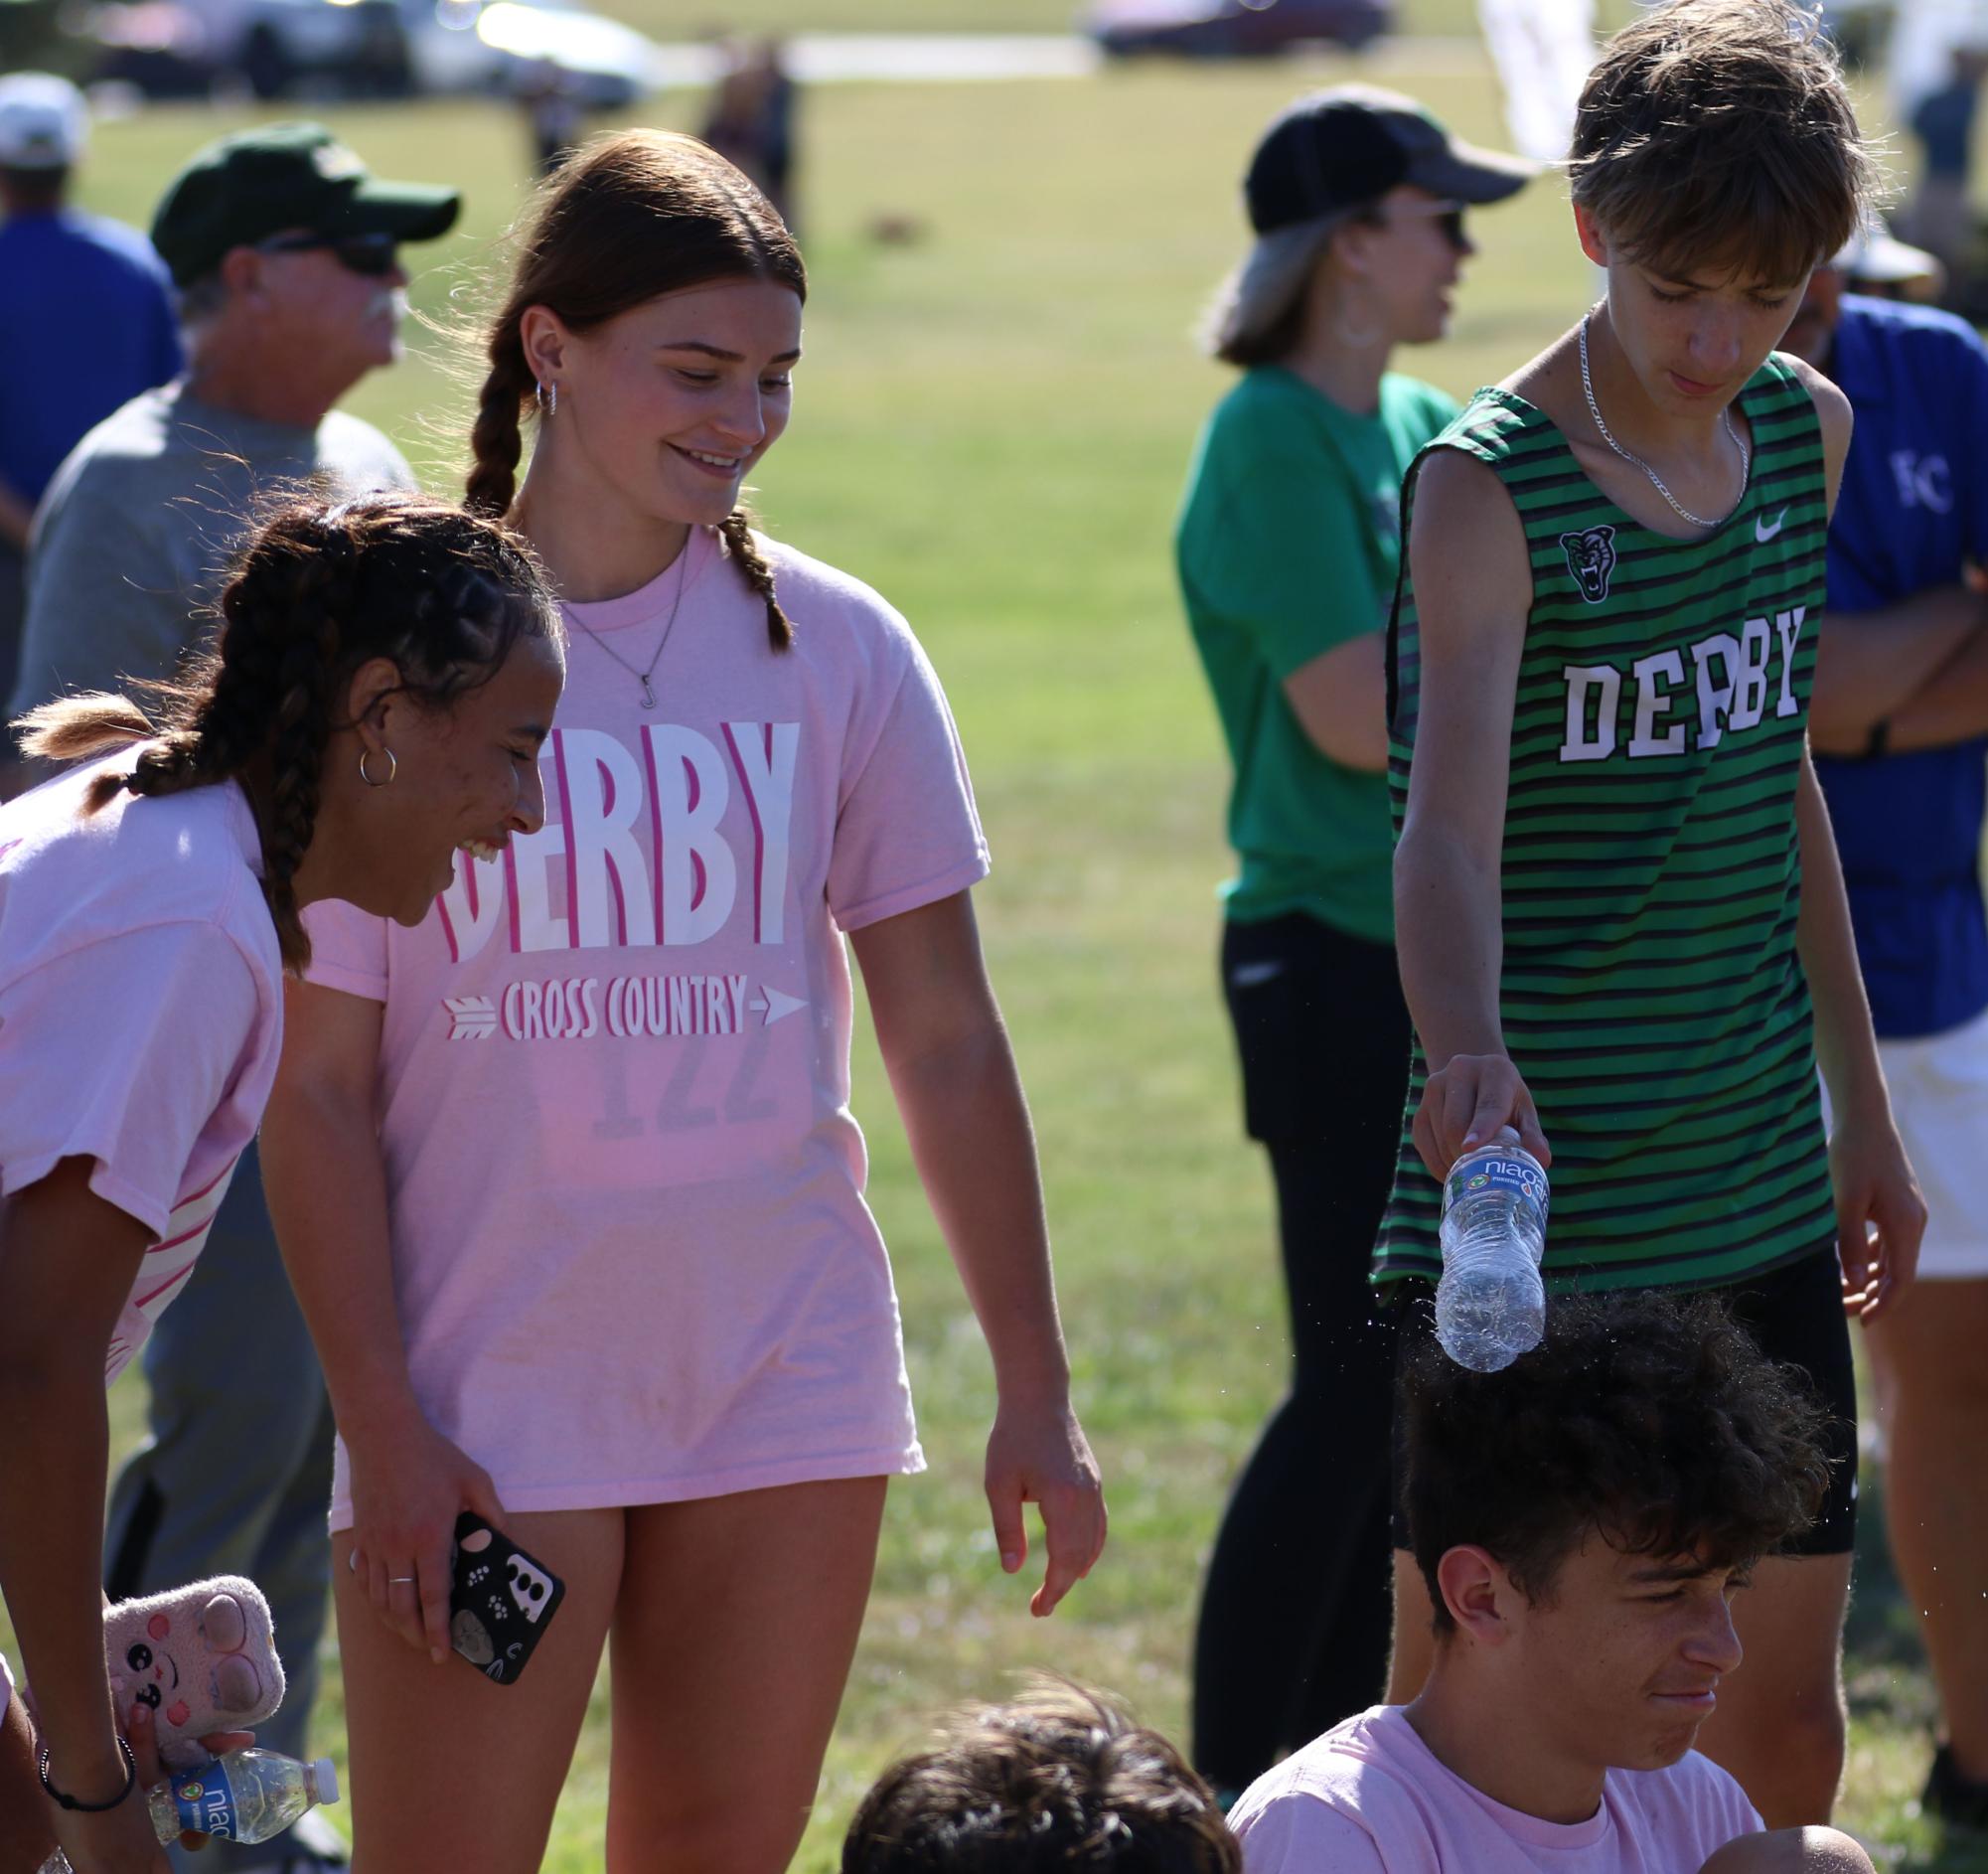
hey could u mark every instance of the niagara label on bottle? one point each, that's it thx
(247, 1796)
(1490, 1305)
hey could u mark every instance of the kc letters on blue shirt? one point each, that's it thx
(1912, 513)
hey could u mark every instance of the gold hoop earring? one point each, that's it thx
(547, 397)
(392, 768)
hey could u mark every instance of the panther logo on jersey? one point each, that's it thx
(1591, 557)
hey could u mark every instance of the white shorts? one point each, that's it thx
(1940, 1099)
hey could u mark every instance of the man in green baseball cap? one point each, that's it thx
(288, 178)
(285, 254)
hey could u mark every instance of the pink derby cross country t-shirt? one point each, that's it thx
(631, 1254)
(141, 1008)
(1370, 1797)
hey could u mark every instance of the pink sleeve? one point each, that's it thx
(907, 833)
(1298, 1835)
(122, 1051)
(347, 949)
(1724, 1812)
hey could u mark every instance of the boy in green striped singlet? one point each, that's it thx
(1620, 919)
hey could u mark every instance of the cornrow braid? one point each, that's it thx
(751, 563)
(310, 658)
(496, 439)
(316, 592)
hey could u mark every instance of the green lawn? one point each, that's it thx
(992, 426)
(671, 18)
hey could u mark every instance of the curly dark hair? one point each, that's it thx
(1057, 1779)
(1721, 131)
(318, 589)
(1652, 1420)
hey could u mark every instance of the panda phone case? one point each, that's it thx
(500, 1601)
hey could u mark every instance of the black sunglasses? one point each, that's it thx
(1448, 217)
(373, 254)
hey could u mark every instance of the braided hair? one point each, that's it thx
(316, 592)
(631, 217)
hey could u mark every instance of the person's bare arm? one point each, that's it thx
(1340, 702)
(1790, 1851)
(1950, 707)
(953, 1074)
(17, 518)
(1874, 666)
(67, 1261)
(1834, 418)
(1472, 590)
(1880, 1214)
(327, 1187)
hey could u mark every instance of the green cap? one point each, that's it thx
(281, 176)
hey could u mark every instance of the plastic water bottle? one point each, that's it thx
(246, 1795)
(1490, 1306)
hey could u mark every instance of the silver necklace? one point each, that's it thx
(643, 676)
(1656, 479)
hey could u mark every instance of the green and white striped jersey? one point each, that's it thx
(1651, 995)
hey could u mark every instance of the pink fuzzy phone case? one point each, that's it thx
(204, 1657)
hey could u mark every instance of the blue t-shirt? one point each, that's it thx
(1914, 511)
(87, 323)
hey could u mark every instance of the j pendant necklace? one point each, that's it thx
(643, 676)
(1656, 481)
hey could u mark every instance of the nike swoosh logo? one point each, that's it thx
(1254, 975)
(1763, 532)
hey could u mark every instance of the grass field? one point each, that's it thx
(991, 428)
(671, 19)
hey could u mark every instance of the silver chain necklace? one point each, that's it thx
(1656, 479)
(643, 676)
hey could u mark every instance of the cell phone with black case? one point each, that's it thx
(500, 1601)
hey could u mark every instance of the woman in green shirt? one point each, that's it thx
(1287, 547)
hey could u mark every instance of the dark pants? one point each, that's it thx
(1294, 1618)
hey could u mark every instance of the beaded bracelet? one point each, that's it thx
(93, 1808)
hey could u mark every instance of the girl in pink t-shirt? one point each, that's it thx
(384, 675)
(567, 1177)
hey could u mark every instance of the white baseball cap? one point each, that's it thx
(43, 121)
(1875, 253)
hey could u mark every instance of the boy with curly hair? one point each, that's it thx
(1583, 1523)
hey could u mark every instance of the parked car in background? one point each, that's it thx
(372, 48)
(1232, 29)
(508, 45)
(180, 48)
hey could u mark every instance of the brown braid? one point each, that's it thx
(497, 440)
(751, 563)
(625, 221)
(314, 594)
(310, 657)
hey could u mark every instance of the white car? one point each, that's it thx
(508, 45)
